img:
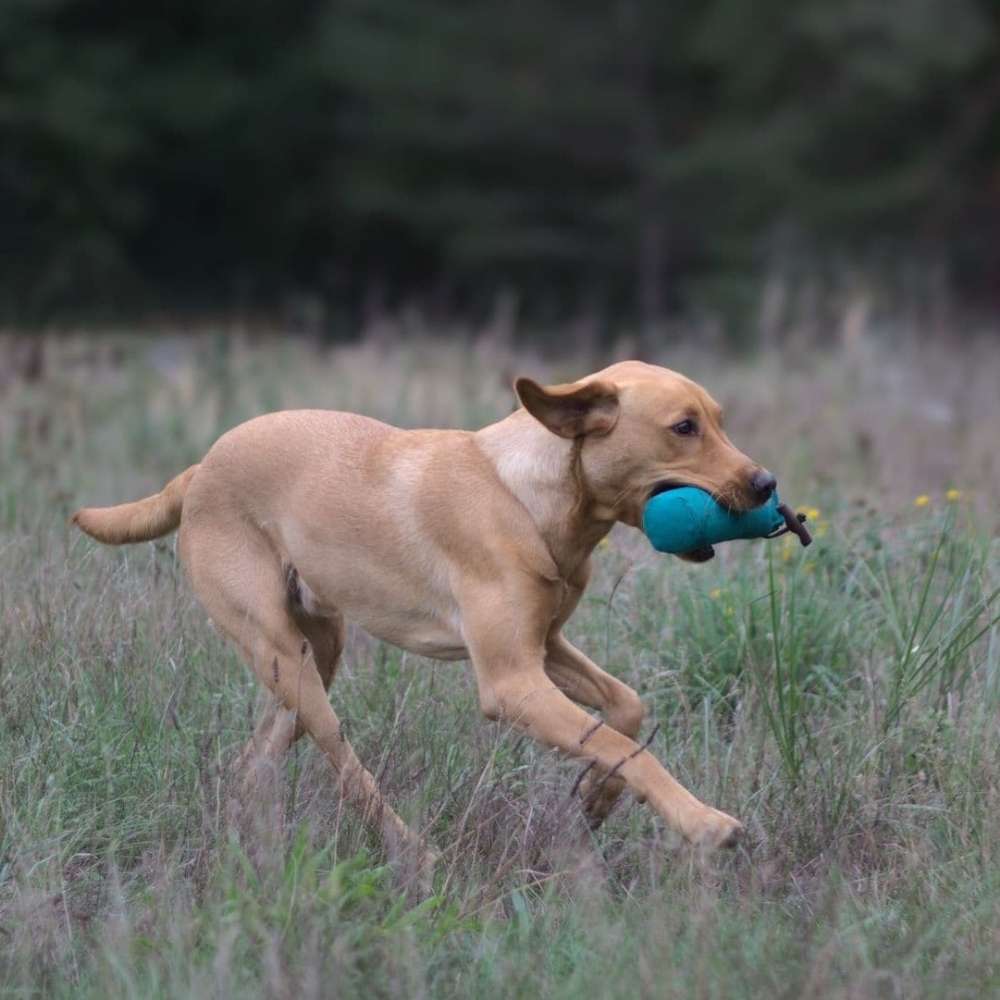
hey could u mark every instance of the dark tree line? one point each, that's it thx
(630, 154)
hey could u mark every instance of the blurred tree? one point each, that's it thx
(634, 157)
(64, 138)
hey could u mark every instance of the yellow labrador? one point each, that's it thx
(451, 544)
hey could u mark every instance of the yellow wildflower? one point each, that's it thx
(715, 593)
(952, 495)
(922, 501)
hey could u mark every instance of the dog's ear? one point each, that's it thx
(571, 410)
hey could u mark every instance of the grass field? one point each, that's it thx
(843, 701)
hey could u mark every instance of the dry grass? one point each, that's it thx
(840, 700)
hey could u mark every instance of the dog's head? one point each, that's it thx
(642, 430)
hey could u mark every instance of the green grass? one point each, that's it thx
(841, 700)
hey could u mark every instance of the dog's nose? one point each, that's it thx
(763, 483)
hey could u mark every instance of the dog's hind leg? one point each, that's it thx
(279, 727)
(242, 585)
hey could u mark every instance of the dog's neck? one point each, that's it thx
(537, 466)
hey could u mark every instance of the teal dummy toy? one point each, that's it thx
(688, 521)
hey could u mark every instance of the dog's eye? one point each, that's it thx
(685, 428)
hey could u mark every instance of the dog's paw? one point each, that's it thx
(715, 829)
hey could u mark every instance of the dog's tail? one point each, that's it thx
(139, 521)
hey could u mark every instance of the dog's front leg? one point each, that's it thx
(586, 683)
(509, 659)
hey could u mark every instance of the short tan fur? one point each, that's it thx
(451, 544)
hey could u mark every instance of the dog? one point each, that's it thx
(452, 544)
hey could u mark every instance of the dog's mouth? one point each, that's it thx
(700, 555)
(665, 485)
(704, 552)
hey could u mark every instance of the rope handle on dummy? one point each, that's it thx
(795, 523)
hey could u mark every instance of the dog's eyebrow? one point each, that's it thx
(715, 410)
(687, 413)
